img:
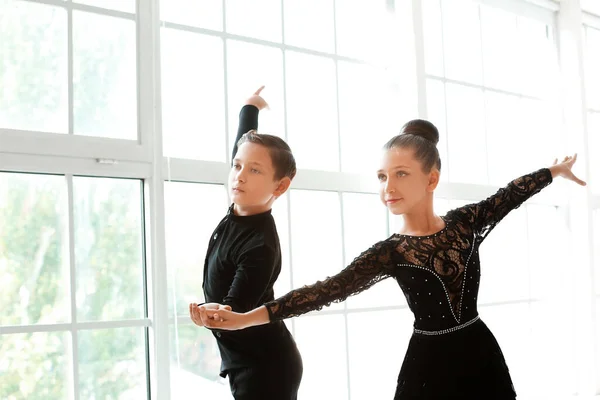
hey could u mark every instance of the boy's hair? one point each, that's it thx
(281, 154)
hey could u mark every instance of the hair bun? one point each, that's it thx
(422, 128)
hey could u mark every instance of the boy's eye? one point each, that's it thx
(381, 177)
(255, 171)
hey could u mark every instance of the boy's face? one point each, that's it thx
(252, 186)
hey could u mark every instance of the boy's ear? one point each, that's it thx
(282, 187)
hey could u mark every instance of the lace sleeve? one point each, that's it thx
(366, 270)
(483, 216)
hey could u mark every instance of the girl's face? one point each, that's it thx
(402, 182)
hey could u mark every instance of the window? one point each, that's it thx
(73, 289)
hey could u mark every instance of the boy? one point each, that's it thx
(243, 262)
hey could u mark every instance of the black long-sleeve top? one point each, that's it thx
(439, 274)
(242, 264)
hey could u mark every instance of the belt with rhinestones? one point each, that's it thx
(449, 330)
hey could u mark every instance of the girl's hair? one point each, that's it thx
(422, 137)
(281, 154)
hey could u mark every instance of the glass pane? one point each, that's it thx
(34, 250)
(597, 251)
(188, 229)
(592, 68)
(504, 137)
(367, 381)
(259, 19)
(544, 226)
(371, 112)
(119, 5)
(311, 96)
(560, 368)
(593, 125)
(432, 31)
(104, 76)
(537, 59)
(374, 37)
(365, 224)
(462, 40)
(316, 252)
(193, 103)
(201, 13)
(591, 6)
(36, 366)
(318, 14)
(500, 270)
(243, 78)
(322, 344)
(515, 343)
(34, 71)
(108, 248)
(112, 364)
(537, 125)
(436, 114)
(282, 222)
(499, 44)
(466, 135)
(195, 364)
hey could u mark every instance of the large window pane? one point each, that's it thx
(462, 40)
(36, 366)
(108, 248)
(432, 32)
(104, 76)
(365, 224)
(188, 230)
(34, 250)
(593, 123)
(311, 96)
(501, 270)
(33, 70)
(499, 45)
(592, 68)
(316, 237)
(201, 13)
(193, 102)
(538, 124)
(545, 225)
(259, 19)
(371, 113)
(591, 6)
(436, 114)
(120, 5)
(282, 222)
(466, 134)
(536, 59)
(195, 358)
(321, 340)
(195, 364)
(386, 353)
(597, 251)
(318, 14)
(243, 78)
(374, 38)
(504, 137)
(112, 364)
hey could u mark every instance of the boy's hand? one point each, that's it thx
(195, 311)
(256, 100)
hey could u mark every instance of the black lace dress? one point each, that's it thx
(451, 354)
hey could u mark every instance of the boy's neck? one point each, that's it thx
(252, 210)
